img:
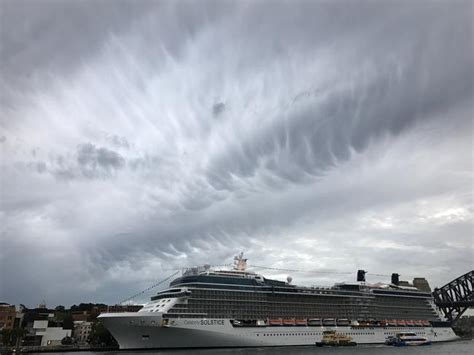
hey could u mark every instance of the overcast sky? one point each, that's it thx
(138, 137)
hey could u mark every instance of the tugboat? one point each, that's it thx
(331, 338)
(410, 339)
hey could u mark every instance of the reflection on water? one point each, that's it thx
(453, 348)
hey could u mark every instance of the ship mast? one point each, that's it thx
(240, 264)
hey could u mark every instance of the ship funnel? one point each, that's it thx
(395, 279)
(361, 275)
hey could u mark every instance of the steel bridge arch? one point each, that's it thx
(454, 298)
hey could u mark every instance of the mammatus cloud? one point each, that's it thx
(314, 136)
(93, 161)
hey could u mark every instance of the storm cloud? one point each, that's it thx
(138, 137)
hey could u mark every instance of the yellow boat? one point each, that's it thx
(332, 338)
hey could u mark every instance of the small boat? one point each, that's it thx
(426, 323)
(390, 340)
(418, 323)
(410, 339)
(331, 338)
(392, 323)
(288, 322)
(410, 323)
(401, 323)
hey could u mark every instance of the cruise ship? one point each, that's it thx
(237, 308)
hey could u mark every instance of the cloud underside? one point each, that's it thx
(323, 137)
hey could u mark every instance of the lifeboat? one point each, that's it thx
(343, 321)
(314, 322)
(329, 322)
(401, 323)
(236, 323)
(392, 323)
(301, 322)
(288, 322)
(409, 323)
(275, 321)
(426, 323)
(418, 323)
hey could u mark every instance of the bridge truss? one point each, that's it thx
(456, 297)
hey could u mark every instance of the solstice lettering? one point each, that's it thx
(212, 322)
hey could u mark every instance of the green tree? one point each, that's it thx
(101, 336)
(6, 336)
(10, 336)
(68, 322)
(67, 340)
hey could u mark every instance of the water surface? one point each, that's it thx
(451, 348)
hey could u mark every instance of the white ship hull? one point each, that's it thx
(144, 330)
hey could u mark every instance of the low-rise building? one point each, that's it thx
(80, 316)
(119, 308)
(53, 336)
(50, 336)
(82, 331)
(7, 316)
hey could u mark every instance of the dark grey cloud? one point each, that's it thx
(119, 142)
(322, 135)
(89, 162)
(92, 159)
(42, 38)
(218, 108)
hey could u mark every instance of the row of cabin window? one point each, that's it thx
(310, 333)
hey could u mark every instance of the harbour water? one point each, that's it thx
(451, 348)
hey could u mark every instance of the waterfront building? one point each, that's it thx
(80, 316)
(82, 330)
(119, 308)
(50, 336)
(7, 316)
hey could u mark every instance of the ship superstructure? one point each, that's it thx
(222, 308)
